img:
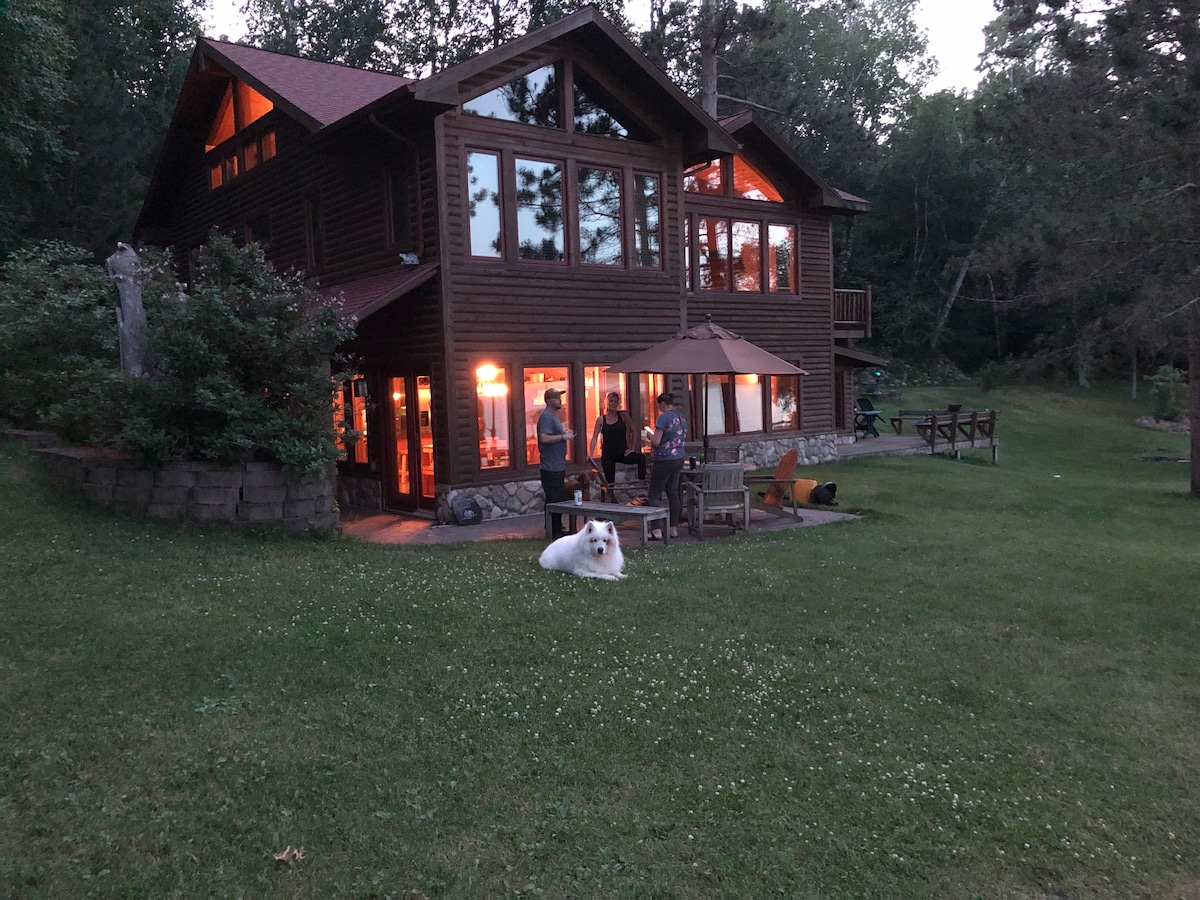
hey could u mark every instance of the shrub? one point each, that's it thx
(1170, 393)
(240, 367)
(58, 332)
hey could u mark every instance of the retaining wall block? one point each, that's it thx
(295, 509)
(169, 495)
(218, 496)
(259, 512)
(176, 511)
(219, 478)
(175, 475)
(273, 493)
(212, 512)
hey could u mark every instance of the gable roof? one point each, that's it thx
(754, 133)
(589, 30)
(315, 93)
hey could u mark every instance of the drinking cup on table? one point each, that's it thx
(579, 498)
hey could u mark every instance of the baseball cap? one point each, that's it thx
(551, 393)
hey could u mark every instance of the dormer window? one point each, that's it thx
(240, 107)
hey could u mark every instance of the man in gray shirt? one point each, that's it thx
(552, 438)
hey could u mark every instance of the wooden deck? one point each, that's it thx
(907, 445)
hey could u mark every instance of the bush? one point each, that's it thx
(240, 367)
(1170, 393)
(58, 332)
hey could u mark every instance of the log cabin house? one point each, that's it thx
(520, 221)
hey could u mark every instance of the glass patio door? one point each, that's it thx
(409, 483)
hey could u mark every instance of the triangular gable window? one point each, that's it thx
(751, 184)
(223, 125)
(240, 106)
(530, 99)
(596, 113)
(747, 182)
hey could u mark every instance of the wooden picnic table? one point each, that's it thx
(613, 512)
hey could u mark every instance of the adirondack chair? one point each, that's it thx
(865, 416)
(781, 486)
(719, 491)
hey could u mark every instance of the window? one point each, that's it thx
(491, 392)
(731, 247)
(530, 99)
(781, 263)
(747, 256)
(315, 234)
(734, 404)
(240, 107)
(598, 382)
(705, 179)
(539, 210)
(750, 184)
(746, 183)
(596, 112)
(646, 234)
(712, 253)
(483, 204)
(350, 420)
(785, 402)
(537, 381)
(258, 230)
(600, 217)
(648, 388)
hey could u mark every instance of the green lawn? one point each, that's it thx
(987, 687)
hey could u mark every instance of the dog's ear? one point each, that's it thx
(610, 528)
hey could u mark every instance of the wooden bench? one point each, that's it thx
(613, 512)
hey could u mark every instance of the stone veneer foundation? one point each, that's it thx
(523, 498)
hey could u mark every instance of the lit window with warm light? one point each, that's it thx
(240, 107)
(491, 394)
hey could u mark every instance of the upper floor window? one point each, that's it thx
(538, 98)
(646, 232)
(240, 107)
(600, 216)
(483, 205)
(539, 210)
(729, 255)
(735, 178)
(530, 99)
(314, 230)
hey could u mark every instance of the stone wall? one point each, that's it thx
(523, 498)
(249, 494)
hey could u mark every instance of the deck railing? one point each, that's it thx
(852, 309)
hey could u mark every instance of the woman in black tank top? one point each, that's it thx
(614, 428)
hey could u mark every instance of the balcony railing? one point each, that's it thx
(852, 312)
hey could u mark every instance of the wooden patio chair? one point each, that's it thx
(865, 416)
(781, 486)
(718, 491)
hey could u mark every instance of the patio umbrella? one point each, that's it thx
(707, 349)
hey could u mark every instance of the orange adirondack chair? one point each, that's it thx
(781, 486)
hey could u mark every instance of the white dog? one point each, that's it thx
(593, 552)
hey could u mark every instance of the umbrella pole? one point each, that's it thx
(705, 414)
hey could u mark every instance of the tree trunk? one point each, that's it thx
(711, 26)
(131, 315)
(1194, 393)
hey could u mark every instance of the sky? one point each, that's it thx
(955, 29)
